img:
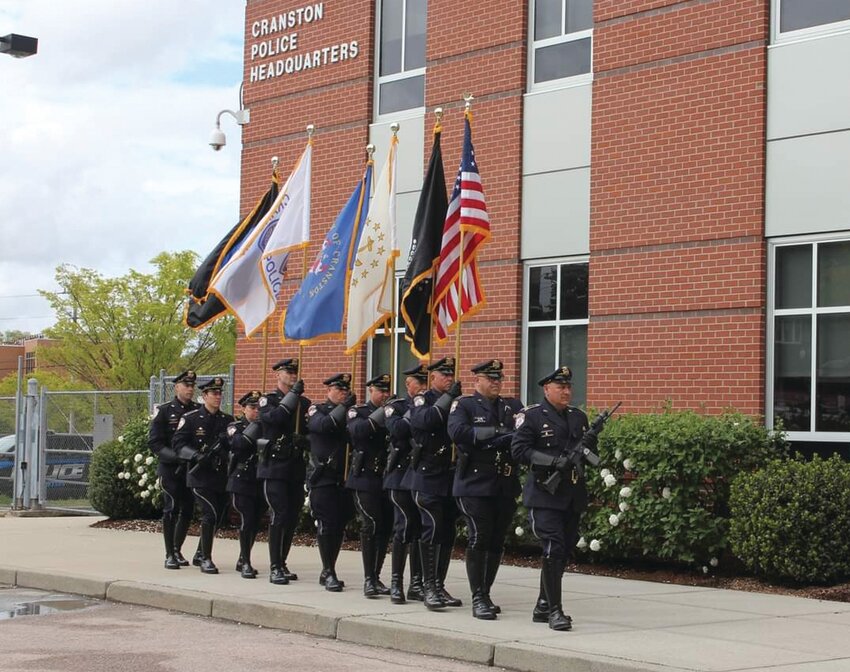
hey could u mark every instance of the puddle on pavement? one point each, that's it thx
(15, 607)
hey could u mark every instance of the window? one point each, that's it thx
(562, 39)
(809, 321)
(555, 326)
(378, 360)
(29, 362)
(805, 17)
(401, 59)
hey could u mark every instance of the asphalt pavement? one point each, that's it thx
(619, 625)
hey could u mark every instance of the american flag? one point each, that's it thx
(467, 212)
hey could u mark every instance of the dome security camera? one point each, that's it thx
(217, 139)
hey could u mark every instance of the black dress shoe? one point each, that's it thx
(183, 562)
(247, 571)
(171, 562)
(560, 621)
(323, 577)
(448, 599)
(197, 559)
(332, 583)
(277, 577)
(370, 589)
(382, 589)
(208, 566)
(239, 563)
(292, 576)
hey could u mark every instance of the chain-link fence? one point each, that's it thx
(162, 388)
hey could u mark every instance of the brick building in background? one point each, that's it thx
(667, 184)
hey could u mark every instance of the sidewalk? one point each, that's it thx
(619, 625)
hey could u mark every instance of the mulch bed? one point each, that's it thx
(530, 557)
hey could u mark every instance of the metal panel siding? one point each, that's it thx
(556, 130)
(556, 214)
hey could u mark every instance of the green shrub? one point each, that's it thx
(790, 520)
(117, 488)
(671, 475)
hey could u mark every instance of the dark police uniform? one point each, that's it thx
(407, 523)
(281, 469)
(245, 488)
(178, 503)
(201, 440)
(330, 502)
(431, 479)
(486, 482)
(369, 447)
(544, 435)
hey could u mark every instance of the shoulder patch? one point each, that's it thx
(388, 410)
(181, 423)
(312, 410)
(231, 430)
(263, 401)
(454, 406)
(519, 418)
(352, 413)
(419, 400)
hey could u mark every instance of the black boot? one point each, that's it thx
(541, 609)
(369, 552)
(181, 529)
(399, 556)
(288, 534)
(432, 598)
(553, 569)
(476, 573)
(328, 578)
(244, 566)
(380, 556)
(445, 558)
(171, 561)
(276, 575)
(207, 536)
(415, 590)
(491, 569)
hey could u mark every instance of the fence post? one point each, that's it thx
(42, 447)
(29, 463)
(19, 473)
(162, 386)
(151, 392)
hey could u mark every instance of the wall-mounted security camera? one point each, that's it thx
(217, 138)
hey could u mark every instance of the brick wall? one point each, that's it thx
(677, 266)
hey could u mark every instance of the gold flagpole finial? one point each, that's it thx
(370, 151)
(394, 127)
(467, 99)
(438, 126)
(310, 130)
(275, 161)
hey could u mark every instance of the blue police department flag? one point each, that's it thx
(318, 307)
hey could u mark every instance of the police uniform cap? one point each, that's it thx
(380, 382)
(420, 372)
(445, 366)
(492, 368)
(216, 383)
(340, 380)
(186, 377)
(289, 365)
(559, 375)
(250, 398)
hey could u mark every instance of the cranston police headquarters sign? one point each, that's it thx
(278, 37)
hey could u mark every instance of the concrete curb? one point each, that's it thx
(173, 599)
(415, 639)
(275, 615)
(63, 583)
(517, 656)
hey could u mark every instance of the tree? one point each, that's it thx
(14, 335)
(114, 333)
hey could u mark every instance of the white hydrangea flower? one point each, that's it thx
(149, 459)
(150, 487)
(145, 476)
(519, 531)
(156, 486)
(714, 562)
(605, 473)
(624, 506)
(138, 457)
(625, 492)
(142, 482)
(582, 543)
(627, 464)
(595, 545)
(610, 480)
(618, 454)
(140, 470)
(666, 493)
(613, 520)
(704, 569)
(126, 460)
(121, 439)
(144, 494)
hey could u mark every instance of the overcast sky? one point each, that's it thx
(104, 160)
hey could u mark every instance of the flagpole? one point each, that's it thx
(264, 367)
(468, 114)
(438, 128)
(310, 130)
(394, 127)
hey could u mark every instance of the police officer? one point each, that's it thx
(245, 488)
(407, 525)
(330, 502)
(546, 436)
(369, 442)
(283, 414)
(432, 475)
(201, 440)
(486, 481)
(177, 500)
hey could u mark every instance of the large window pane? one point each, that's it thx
(833, 374)
(792, 378)
(794, 276)
(547, 19)
(541, 360)
(391, 36)
(380, 355)
(406, 361)
(574, 292)
(414, 40)
(402, 94)
(798, 14)
(834, 275)
(573, 353)
(542, 293)
(562, 60)
(579, 16)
